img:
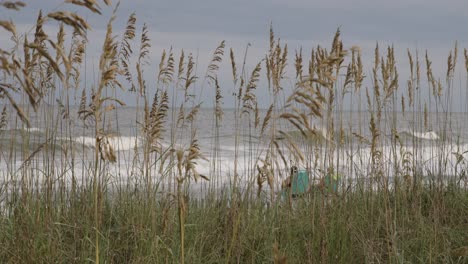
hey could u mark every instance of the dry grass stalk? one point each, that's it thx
(267, 118)
(410, 92)
(218, 104)
(362, 139)
(298, 64)
(418, 71)
(233, 67)
(155, 123)
(44, 54)
(265, 172)
(450, 65)
(426, 124)
(187, 161)
(377, 94)
(166, 68)
(389, 74)
(403, 104)
(272, 38)
(275, 143)
(269, 171)
(190, 78)
(76, 57)
(19, 111)
(31, 156)
(181, 116)
(108, 62)
(63, 110)
(60, 43)
(4, 118)
(126, 50)
(466, 59)
(143, 55)
(14, 5)
(193, 113)
(348, 78)
(411, 62)
(439, 89)
(430, 76)
(89, 4)
(312, 65)
(213, 67)
(376, 154)
(249, 99)
(8, 26)
(359, 77)
(308, 96)
(452, 62)
(71, 19)
(180, 68)
(39, 35)
(276, 62)
(337, 53)
(194, 154)
(109, 70)
(5, 65)
(82, 107)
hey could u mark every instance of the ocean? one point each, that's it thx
(407, 143)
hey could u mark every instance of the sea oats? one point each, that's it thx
(89, 4)
(126, 50)
(217, 58)
(71, 19)
(190, 77)
(15, 5)
(9, 26)
(181, 68)
(19, 111)
(466, 60)
(218, 104)
(142, 57)
(267, 118)
(249, 98)
(233, 66)
(298, 64)
(4, 118)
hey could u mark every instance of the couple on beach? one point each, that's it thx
(297, 183)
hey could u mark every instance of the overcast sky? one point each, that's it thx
(198, 26)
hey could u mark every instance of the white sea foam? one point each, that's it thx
(30, 129)
(426, 160)
(429, 135)
(117, 143)
(34, 129)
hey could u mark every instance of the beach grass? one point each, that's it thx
(421, 227)
(65, 203)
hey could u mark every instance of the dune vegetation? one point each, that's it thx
(402, 196)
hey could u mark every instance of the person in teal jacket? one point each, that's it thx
(330, 182)
(297, 183)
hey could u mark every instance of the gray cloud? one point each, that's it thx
(198, 26)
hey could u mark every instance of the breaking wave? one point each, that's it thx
(429, 135)
(117, 143)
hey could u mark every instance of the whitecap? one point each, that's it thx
(429, 135)
(117, 143)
